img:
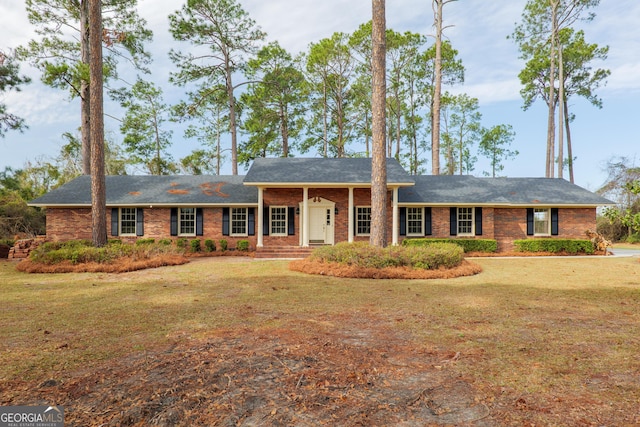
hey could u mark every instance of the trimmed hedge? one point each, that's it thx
(468, 245)
(83, 251)
(361, 254)
(571, 246)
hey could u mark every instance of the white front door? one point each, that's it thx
(321, 224)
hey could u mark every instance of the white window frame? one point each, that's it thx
(121, 213)
(239, 217)
(281, 220)
(361, 221)
(538, 213)
(418, 217)
(465, 215)
(183, 222)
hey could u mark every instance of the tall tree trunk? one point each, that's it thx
(232, 122)
(437, 93)
(325, 119)
(560, 110)
(98, 186)
(85, 111)
(378, 106)
(551, 132)
(569, 149)
(284, 132)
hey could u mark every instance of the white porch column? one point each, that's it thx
(350, 216)
(396, 218)
(260, 215)
(305, 217)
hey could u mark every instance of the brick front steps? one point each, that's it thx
(282, 252)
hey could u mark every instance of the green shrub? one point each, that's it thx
(182, 243)
(195, 245)
(634, 238)
(78, 252)
(242, 245)
(209, 245)
(571, 246)
(363, 255)
(141, 242)
(8, 242)
(469, 245)
(223, 245)
(165, 242)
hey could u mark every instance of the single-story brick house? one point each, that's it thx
(301, 202)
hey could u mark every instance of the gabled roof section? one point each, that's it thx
(131, 190)
(342, 172)
(468, 190)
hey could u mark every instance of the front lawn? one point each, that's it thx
(239, 341)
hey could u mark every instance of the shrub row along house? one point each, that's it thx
(285, 203)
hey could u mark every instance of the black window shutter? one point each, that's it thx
(225, 221)
(478, 219)
(139, 222)
(265, 221)
(403, 221)
(529, 221)
(453, 221)
(251, 217)
(554, 222)
(174, 221)
(114, 221)
(199, 222)
(291, 221)
(427, 222)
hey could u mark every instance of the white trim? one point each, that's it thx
(286, 221)
(548, 212)
(135, 221)
(246, 222)
(180, 222)
(260, 214)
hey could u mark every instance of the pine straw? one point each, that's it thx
(121, 265)
(466, 268)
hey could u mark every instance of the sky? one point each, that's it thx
(478, 29)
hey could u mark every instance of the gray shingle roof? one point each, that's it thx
(202, 190)
(452, 190)
(342, 171)
(155, 190)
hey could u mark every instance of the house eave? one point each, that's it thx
(324, 184)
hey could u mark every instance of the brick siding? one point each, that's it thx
(502, 224)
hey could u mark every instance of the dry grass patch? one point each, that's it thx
(530, 341)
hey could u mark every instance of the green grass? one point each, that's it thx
(542, 325)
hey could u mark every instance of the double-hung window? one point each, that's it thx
(541, 222)
(278, 221)
(415, 219)
(127, 221)
(465, 221)
(239, 221)
(187, 222)
(363, 220)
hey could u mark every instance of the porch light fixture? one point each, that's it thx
(297, 211)
(335, 211)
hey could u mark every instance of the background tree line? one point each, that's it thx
(247, 98)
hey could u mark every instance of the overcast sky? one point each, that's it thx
(478, 30)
